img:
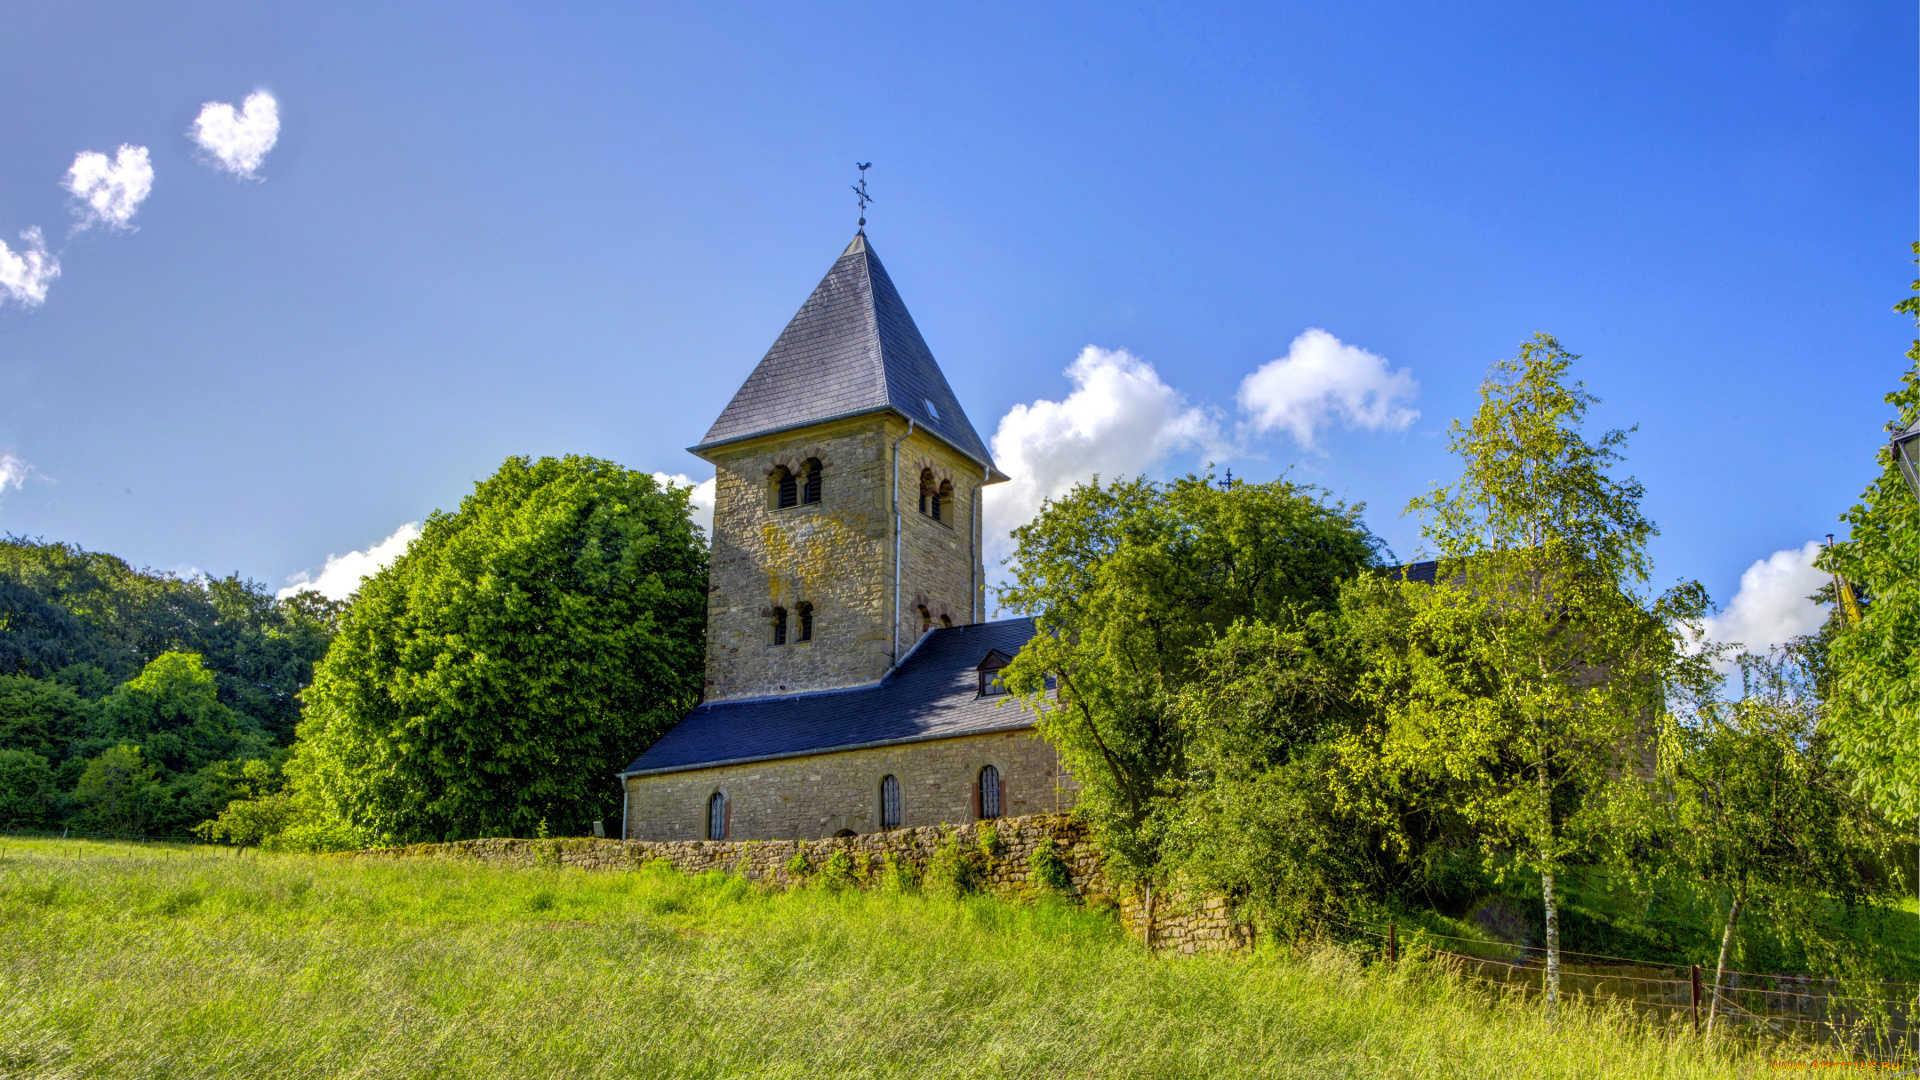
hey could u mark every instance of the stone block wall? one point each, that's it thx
(819, 795)
(836, 554)
(1176, 926)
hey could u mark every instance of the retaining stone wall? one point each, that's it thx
(1180, 925)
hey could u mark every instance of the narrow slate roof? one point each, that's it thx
(851, 349)
(1424, 573)
(933, 694)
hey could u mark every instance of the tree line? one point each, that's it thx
(1521, 735)
(137, 702)
(1256, 702)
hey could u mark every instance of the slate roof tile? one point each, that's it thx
(851, 348)
(933, 694)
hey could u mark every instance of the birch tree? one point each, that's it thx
(1532, 670)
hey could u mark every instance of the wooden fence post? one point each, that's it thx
(1695, 981)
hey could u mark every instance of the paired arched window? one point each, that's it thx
(989, 792)
(779, 626)
(929, 495)
(810, 481)
(793, 489)
(717, 816)
(889, 802)
(936, 497)
(926, 618)
(805, 612)
(946, 620)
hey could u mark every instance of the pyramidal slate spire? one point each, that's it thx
(851, 349)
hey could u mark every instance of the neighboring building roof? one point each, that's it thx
(1422, 572)
(851, 349)
(933, 694)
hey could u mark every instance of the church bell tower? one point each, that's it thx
(847, 502)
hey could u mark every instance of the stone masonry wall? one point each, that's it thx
(836, 554)
(940, 567)
(819, 795)
(1178, 926)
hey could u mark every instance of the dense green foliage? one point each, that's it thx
(1523, 684)
(1875, 721)
(1764, 815)
(154, 962)
(493, 679)
(1256, 709)
(138, 702)
(1128, 583)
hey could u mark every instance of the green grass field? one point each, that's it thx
(121, 960)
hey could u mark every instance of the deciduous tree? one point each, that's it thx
(524, 648)
(1531, 672)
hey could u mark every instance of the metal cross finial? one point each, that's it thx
(1227, 484)
(861, 190)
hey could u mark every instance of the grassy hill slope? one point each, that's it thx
(118, 960)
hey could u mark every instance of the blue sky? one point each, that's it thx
(490, 229)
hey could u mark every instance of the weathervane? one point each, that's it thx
(861, 190)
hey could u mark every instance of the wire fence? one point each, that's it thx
(1870, 1019)
(76, 834)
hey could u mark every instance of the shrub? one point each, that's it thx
(990, 843)
(838, 872)
(953, 871)
(1047, 871)
(895, 876)
(798, 865)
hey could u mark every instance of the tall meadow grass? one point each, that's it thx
(125, 961)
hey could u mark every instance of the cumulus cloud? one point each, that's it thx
(108, 191)
(702, 497)
(237, 140)
(1772, 606)
(25, 274)
(13, 473)
(1120, 419)
(1321, 381)
(340, 578)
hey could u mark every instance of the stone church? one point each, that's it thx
(851, 675)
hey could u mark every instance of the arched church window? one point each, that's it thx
(889, 802)
(717, 816)
(779, 626)
(929, 495)
(946, 620)
(926, 619)
(805, 611)
(942, 497)
(810, 491)
(989, 792)
(787, 487)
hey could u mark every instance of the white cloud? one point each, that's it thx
(13, 473)
(109, 191)
(1772, 606)
(702, 498)
(1322, 380)
(238, 139)
(25, 274)
(1121, 419)
(340, 578)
